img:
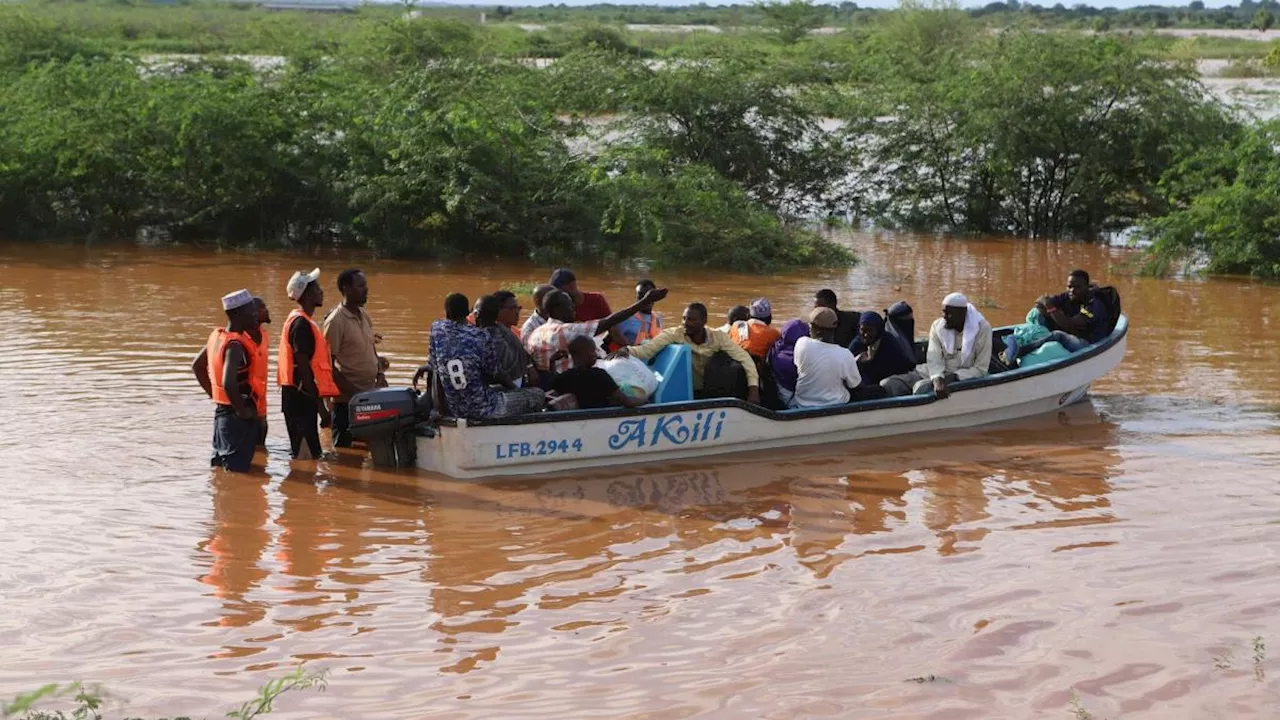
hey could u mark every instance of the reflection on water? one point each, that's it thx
(1114, 549)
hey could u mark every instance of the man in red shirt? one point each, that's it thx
(588, 305)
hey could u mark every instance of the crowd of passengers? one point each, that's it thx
(485, 363)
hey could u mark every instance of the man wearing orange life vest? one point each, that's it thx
(645, 324)
(230, 378)
(302, 368)
(756, 334)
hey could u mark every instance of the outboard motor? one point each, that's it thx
(388, 420)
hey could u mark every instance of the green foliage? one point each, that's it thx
(1272, 60)
(688, 214)
(1031, 133)
(1227, 208)
(417, 130)
(792, 19)
(88, 701)
(299, 679)
(1263, 20)
(741, 120)
(441, 169)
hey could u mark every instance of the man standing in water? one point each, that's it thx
(259, 336)
(229, 376)
(356, 364)
(302, 368)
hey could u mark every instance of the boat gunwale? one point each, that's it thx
(1121, 330)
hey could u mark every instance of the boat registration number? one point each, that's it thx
(560, 446)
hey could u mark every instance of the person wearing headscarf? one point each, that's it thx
(879, 356)
(782, 358)
(959, 349)
(900, 326)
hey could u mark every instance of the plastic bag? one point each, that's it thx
(633, 376)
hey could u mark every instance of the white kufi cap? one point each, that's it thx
(955, 300)
(237, 299)
(299, 282)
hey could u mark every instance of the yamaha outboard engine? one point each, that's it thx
(388, 421)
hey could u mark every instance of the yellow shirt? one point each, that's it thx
(716, 342)
(351, 342)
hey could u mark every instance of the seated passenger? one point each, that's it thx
(782, 360)
(826, 372)
(590, 386)
(959, 349)
(847, 329)
(514, 365)
(1077, 317)
(587, 306)
(703, 342)
(645, 323)
(737, 314)
(1031, 334)
(900, 326)
(465, 360)
(538, 316)
(555, 334)
(879, 356)
(756, 334)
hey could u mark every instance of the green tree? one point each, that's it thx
(792, 19)
(1226, 208)
(1036, 134)
(738, 117)
(1263, 20)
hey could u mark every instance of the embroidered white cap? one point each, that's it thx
(237, 299)
(955, 299)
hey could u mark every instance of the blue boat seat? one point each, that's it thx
(674, 367)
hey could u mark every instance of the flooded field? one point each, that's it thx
(1121, 555)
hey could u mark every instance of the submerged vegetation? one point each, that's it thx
(89, 702)
(427, 133)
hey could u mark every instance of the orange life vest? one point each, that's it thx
(260, 370)
(754, 337)
(215, 349)
(647, 332)
(321, 370)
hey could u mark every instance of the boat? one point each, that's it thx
(568, 440)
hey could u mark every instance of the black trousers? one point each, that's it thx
(302, 419)
(342, 425)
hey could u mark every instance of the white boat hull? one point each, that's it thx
(583, 439)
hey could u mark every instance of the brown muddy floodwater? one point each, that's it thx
(1124, 551)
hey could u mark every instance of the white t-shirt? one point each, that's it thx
(826, 371)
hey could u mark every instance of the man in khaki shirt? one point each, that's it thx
(352, 343)
(703, 342)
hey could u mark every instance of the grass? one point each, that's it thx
(1247, 68)
(88, 700)
(1258, 645)
(1078, 711)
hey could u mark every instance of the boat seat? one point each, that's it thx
(674, 367)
